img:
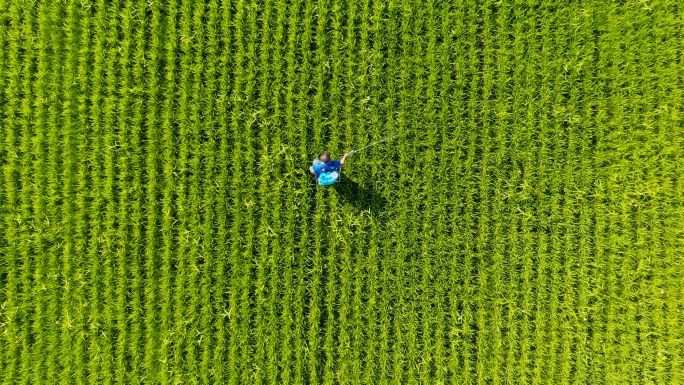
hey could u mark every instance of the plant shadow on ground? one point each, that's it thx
(360, 196)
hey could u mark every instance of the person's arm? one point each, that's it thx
(311, 169)
(344, 158)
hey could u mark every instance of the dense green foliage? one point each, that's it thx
(157, 223)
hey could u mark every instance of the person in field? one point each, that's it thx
(325, 170)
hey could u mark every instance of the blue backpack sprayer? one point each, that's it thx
(330, 175)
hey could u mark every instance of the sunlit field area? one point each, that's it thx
(159, 225)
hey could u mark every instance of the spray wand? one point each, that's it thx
(393, 136)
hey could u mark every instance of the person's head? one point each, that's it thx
(325, 156)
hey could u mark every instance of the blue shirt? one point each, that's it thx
(319, 167)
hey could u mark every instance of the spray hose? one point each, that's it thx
(393, 136)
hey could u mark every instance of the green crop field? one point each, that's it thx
(158, 223)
